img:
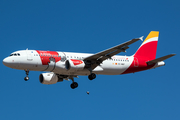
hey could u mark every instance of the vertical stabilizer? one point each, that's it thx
(148, 48)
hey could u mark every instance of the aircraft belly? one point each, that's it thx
(65, 72)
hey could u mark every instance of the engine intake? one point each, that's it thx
(48, 78)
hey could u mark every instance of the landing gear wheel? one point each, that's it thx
(26, 78)
(92, 76)
(74, 85)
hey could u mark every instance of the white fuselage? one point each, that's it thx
(33, 61)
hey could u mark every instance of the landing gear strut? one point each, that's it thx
(92, 76)
(27, 73)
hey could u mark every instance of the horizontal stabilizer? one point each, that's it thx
(159, 59)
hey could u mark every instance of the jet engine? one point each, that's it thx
(48, 78)
(74, 65)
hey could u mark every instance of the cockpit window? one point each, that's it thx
(15, 54)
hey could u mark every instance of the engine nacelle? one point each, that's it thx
(74, 65)
(48, 78)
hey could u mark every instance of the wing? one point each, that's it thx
(94, 60)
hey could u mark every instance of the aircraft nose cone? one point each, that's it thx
(6, 61)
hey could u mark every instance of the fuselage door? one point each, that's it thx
(63, 56)
(136, 63)
(29, 55)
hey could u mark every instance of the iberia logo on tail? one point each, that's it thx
(148, 48)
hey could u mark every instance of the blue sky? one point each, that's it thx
(90, 26)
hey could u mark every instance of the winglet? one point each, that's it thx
(141, 38)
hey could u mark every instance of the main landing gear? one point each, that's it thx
(73, 84)
(27, 73)
(92, 76)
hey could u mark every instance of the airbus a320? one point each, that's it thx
(61, 66)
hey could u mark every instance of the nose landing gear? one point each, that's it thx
(27, 73)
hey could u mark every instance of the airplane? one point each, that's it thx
(61, 66)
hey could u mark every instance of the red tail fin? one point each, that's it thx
(148, 48)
